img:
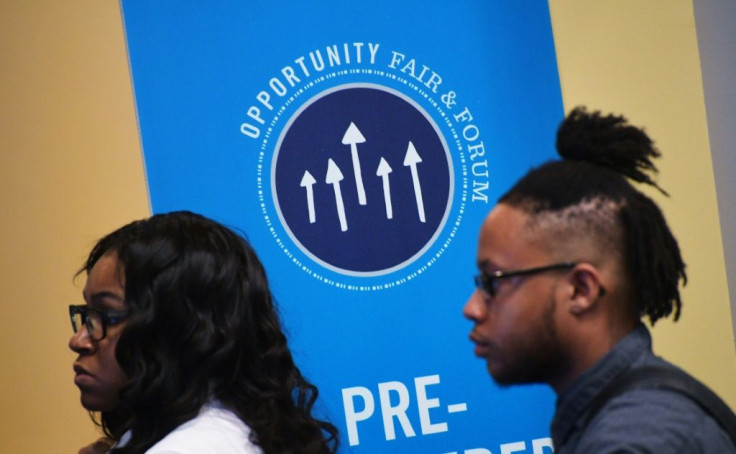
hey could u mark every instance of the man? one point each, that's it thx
(571, 258)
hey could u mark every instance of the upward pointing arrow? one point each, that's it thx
(353, 137)
(383, 170)
(411, 159)
(307, 182)
(334, 177)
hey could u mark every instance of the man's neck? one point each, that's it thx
(588, 347)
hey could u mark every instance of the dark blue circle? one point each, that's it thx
(372, 243)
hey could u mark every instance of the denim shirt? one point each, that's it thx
(637, 421)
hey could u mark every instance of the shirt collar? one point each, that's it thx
(575, 399)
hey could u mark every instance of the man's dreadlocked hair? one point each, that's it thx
(599, 154)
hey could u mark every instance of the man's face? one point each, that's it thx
(515, 331)
(97, 372)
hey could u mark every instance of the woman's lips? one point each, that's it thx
(82, 377)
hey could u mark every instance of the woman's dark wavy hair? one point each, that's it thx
(599, 154)
(203, 325)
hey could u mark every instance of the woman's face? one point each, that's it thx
(97, 373)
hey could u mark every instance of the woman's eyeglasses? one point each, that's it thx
(94, 320)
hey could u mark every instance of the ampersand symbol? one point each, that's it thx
(449, 99)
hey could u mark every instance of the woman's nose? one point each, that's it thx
(80, 341)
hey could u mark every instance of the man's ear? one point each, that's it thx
(584, 288)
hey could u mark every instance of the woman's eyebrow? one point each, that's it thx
(101, 298)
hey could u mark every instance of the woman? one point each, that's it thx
(180, 348)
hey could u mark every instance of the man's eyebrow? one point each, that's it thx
(489, 266)
(484, 265)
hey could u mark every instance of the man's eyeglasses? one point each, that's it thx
(94, 320)
(489, 282)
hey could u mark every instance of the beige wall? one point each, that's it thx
(70, 171)
(640, 59)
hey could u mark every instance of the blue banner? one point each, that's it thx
(359, 145)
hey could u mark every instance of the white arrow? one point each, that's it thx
(307, 182)
(334, 177)
(412, 159)
(353, 137)
(383, 170)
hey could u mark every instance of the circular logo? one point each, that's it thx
(362, 179)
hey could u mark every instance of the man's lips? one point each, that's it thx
(481, 347)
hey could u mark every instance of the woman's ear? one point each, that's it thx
(585, 288)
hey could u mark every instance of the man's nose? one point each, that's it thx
(474, 307)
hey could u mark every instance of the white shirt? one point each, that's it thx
(215, 430)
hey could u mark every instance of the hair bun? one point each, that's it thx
(608, 141)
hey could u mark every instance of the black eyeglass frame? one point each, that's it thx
(487, 281)
(107, 317)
